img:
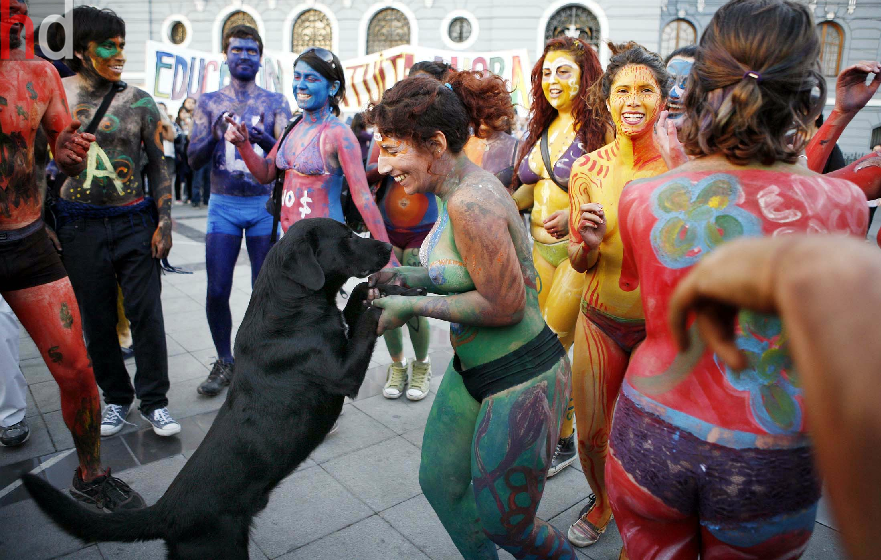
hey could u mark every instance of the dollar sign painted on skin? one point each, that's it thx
(304, 208)
(55, 355)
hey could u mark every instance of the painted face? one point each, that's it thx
(678, 67)
(635, 100)
(560, 79)
(106, 58)
(405, 163)
(312, 90)
(12, 22)
(243, 58)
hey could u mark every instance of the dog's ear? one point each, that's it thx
(304, 266)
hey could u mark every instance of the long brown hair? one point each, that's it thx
(752, 93)
(588, 131)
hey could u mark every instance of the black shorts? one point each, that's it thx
(28, 258)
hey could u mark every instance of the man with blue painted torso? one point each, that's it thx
(110, 232)
(238, 202)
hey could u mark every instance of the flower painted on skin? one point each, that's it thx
(695, 218)
(770, 377)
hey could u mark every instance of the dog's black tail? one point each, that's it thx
(124, 526)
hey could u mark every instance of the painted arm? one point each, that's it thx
(864, 173)
(404, 276)
(582, 258)
(480, 228)
(263, 169)
(68, 145)
(266, 139)
(160, 180)
(204, 135)
(372, 167)
(348, 152)
(831, 321)
(524, 197)
(851, 95)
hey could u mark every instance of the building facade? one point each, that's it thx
(850, 30)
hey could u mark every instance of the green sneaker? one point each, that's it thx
(420, 380)
(395, 380)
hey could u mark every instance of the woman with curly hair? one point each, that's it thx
(560, 131)
(494, 422)
(707, 461)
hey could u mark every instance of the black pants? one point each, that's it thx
(98, 253)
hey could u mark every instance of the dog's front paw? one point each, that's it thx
(357, 304)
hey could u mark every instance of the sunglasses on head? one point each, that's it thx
(321, 53)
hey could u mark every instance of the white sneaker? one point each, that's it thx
(113, 419)
(395, 380)
(420, 380)
(162, 422)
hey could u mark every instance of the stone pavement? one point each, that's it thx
(357, 497)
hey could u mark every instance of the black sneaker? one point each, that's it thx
(564, 455)
(15, 435)
(220, 376)
(106, 493)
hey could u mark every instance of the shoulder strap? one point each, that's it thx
(279, 182)
(546, 158)
(105, 104)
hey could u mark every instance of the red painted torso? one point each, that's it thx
(26, 91)
(667, 224)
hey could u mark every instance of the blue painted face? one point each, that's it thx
(243, 58)
(312, 90)
(678, 68)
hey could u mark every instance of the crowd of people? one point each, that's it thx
(688, 414)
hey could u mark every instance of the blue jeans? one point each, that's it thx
(201, 184)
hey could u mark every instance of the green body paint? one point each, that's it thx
(420, 333)
(21, 112)
(66, 316)
(31, 92)
(106, 50)
(144, 102)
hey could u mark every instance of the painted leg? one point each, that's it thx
(568, 425)
(545, 279)
(649, 528)
(597, 372)
(221, 252)
(561, 309)
(123, 329)
(516, 434)
(420, 335)
(394, 340)
(52, 318)
(258, 246)
(445, 471)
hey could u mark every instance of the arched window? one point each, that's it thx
(238, 18)
(678, 33)
(831, 41)
(388, 28)
(312, 29)
(574, 21)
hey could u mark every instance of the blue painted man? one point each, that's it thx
(238, 202)
(679, 64)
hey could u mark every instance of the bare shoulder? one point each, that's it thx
(481, 194)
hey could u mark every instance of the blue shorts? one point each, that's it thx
(233, 214)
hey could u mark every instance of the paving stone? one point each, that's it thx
(35, 370)
(184, 367)
(46, 396)
(417, 521)
(373, 538)
(174, 309)
(58, 430)
(172, 347)
(148, 447)
(195, 338)
(356, 431)
(306, 506)
(11, 489)
(31, 409)
(825, 544)
(381, 475)
(40, 443)
(29, 534)
(399, 415)
(824, 512)
(27, 349)
(61, 465)
(415, 436)
(184, 401)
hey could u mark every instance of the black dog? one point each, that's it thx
(295, 362)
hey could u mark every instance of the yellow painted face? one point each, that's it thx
(560, 79)
(634, 100)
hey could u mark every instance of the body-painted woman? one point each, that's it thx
(611, 322)
(706, 460)
(317, 153)
(238, 201)
(560, 119)
(34, 281)
(495, 419)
